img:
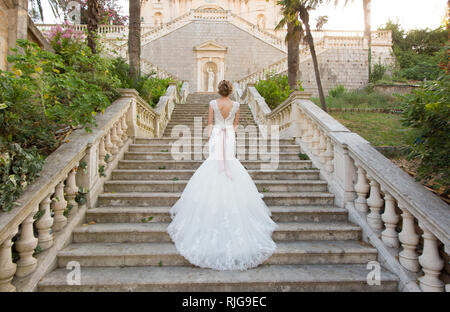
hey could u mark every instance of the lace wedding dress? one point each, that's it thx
(220, 221)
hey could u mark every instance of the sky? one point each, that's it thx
(410, 13)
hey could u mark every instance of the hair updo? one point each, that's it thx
(225, 88)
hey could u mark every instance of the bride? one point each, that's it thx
(220, 221)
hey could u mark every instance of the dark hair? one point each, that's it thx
(225, 88)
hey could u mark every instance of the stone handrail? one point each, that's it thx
(167, 102)
(147, 67)
(260, 33)
(69, 183)
(157, 32)
(378, 195)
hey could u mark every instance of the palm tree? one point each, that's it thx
(37, 12)
(293, 37)
(93, 17)
(367, 30)
(134, 38)
(304, 6)
(292, 10)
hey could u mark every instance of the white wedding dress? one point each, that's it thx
(220, 221)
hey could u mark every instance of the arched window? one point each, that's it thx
(158, 19)
(261, 21)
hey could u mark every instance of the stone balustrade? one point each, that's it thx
(72, 178)
(119, 33)
(279, 66)
(147, 67)
(407, 224)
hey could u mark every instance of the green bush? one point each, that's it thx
(378, 72)
(45, 95)
(339, 97)
(149, 87)
(275, 89)
(415, 51)
(337, 91)
(18, 167)
(428, 110)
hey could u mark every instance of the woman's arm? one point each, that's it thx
(236, 119)
(210, 120)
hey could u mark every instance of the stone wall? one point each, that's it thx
(3, 35)
(347, 67)
(245, 53)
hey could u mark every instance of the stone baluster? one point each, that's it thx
(362, 189)
(375, 203)
(102, 152)
(109, 146)
(431, 263)
(124, 128)
(114, 140)
(119, 133)
(58, 206)
(71, 190)
(44, 224)
(409, 240)
(25, 246)
(390, 218)
(322, 147)
(7, 266)
(314, 140)
(303, 125)
(307, 137)
(329, 155)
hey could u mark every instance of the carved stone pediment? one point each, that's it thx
(210, 46)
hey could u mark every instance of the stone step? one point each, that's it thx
(169, 199)
(183, 127)
(305, 277)
(194, 164)
(151, 254)
(161, 214)
(156, 232)
(163, 156)
(185, 174)
(240, 147)
(178, 186)
(170, 140)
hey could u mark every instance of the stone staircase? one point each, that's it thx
(126, 247)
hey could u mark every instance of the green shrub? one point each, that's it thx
(337, 91)
(339, 97)
(415, 51)
(45, 95)
(149, 87)
(18, 167)
(428, 110)
(378, 72)
(275, 89)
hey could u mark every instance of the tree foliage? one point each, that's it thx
(416, 51)
(275, 89)
(428, 110)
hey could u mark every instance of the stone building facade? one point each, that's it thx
(263, 13)
(191, 50)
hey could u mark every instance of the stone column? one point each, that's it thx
(17, 22)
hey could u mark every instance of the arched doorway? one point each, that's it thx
(210, 72)
(210, 65)
(158, 18)
(261, 21)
